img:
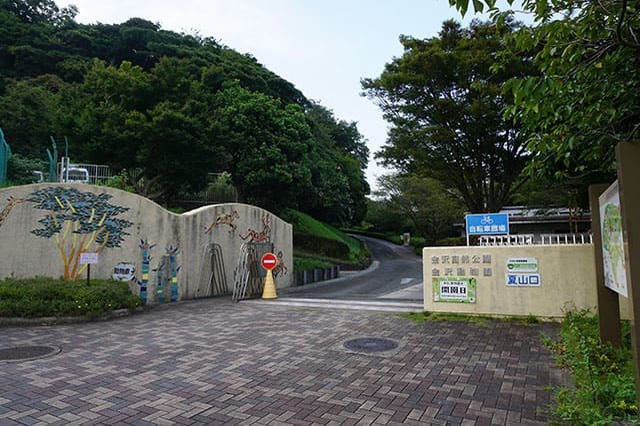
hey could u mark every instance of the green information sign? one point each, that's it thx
(522, 264)
(454, 289)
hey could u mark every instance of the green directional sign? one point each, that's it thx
(522, 264)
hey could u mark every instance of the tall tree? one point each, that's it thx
(444, 102)
(337, 162)
(29, 114)
(38, 11)
(267, 143)
(424, 201)
(170, 108)
(131, 119)
(586, 97)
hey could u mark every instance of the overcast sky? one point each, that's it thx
(323, 47)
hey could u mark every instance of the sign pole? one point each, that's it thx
(628, 158)
(608, 300)
(88, 259)
(466, 228)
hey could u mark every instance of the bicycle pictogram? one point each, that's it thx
(486, 220)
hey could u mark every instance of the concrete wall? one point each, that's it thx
(44, 226)
(564, 276)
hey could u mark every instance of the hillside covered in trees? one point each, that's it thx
(175, 107)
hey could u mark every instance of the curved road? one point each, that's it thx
(398, 268)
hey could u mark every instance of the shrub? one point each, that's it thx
(321, 245)
(603, 375)
(301, 264)
(452, 241)
(42, 297)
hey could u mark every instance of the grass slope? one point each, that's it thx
(314, 239)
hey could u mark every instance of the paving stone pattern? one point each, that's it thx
(217, 362)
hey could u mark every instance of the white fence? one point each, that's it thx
(94, 174)
(531, 239)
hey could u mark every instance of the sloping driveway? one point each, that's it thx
(396, 275)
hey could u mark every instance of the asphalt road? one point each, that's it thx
(397, 268)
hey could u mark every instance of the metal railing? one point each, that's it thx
(507, 240)
(530, 239)
(566, 238)
(248, 275)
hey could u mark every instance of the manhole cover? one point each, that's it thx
(20, 353)
(370, 345)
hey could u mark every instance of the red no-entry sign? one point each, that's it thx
(269, 261)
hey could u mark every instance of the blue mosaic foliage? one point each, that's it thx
(90, 212)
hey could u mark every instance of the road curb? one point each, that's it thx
(46, 321)
(374, 265)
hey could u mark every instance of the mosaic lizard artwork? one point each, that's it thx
(11, 203)
(263, 236)
(225, 219)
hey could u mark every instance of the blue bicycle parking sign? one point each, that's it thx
(487, 224)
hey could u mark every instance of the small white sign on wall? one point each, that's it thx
(124, 271)
(88, 258)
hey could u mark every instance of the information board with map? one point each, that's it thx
(615, 276)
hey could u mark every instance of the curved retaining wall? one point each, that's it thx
(45, 227)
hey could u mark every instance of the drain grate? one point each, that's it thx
(369, 345)
(22, 353)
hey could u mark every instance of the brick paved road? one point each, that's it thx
(215, 362)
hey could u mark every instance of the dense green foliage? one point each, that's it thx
(302, 263)
(46, 297)
(170, 109)
(603, 376)
(585, 98)
(21, 169)
(318, 240)
(567, 86)
(444, 101)
(424, 201)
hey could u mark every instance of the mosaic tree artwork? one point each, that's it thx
(146, 248)
(80, 222)
(172, 252)
(167, 275)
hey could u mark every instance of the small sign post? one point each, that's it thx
(88, 259)
(628, 155)
(608, 300)
(487, 224)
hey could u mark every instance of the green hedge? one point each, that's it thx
(45, 297)
(301, 263)
(452, 241)
(322, 246)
